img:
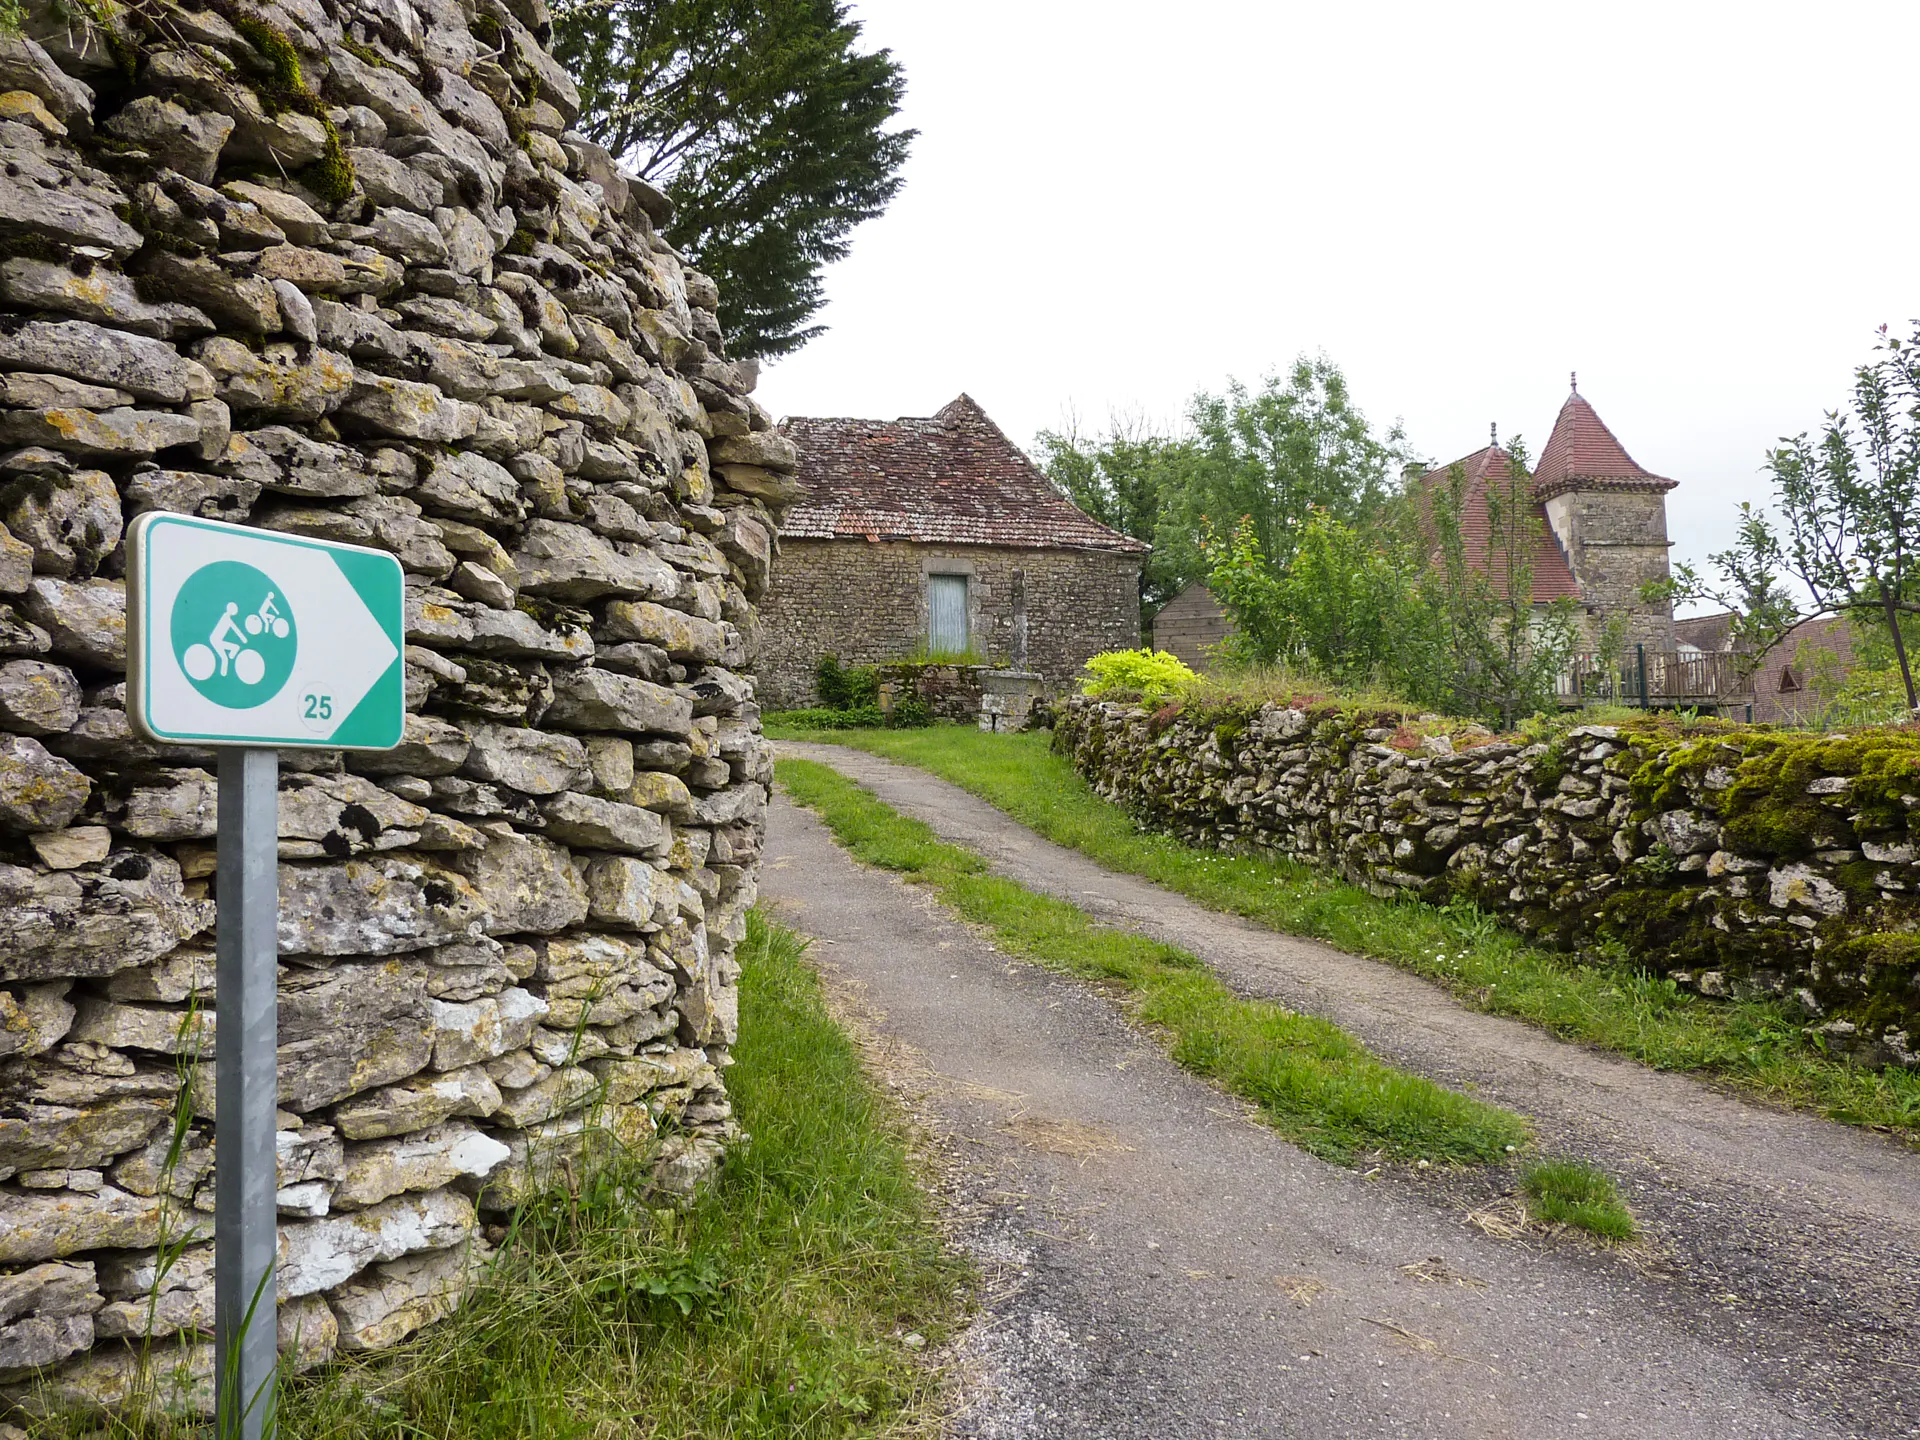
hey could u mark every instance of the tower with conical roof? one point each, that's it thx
(1609, 517)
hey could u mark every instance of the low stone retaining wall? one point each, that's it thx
(1735, 860)
(950, 692)
(343, 269)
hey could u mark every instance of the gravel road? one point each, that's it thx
(1159, 1264)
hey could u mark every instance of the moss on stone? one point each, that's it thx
(1770, 828)
(331, 176)
(277, 50)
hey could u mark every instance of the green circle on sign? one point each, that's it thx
(233, 634)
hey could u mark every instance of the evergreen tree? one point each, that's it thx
(762, 122)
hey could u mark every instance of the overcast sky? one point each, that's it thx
(1704, 209)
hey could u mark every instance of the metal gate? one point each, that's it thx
(947, 613)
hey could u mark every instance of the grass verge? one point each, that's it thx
(1311, 1081)
(773, 1306)
(1754, 1044)
(1568, 1192)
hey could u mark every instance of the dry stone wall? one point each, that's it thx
(341, 268)
(1737, 860)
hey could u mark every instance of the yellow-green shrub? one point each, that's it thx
(1154, 675)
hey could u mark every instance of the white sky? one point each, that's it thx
(1704, 209)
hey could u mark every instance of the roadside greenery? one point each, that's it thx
(1406, 599)
(1310, 1080)
(1153, 675)
(1297, 515)
(1568, 1192)
(1617, 1005)
(850, 700)
(772, 1307)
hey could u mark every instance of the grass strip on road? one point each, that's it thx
(1620, 1007)
(1310, 1080)
(1568, 1192)
(774, 1306)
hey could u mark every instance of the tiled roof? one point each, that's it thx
(1712, 633)
(1552, 576)
(948, 479)
(1582, 453)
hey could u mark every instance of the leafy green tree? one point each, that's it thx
(1122, 479)
(1407, 600)
(1246, 588)
(1345, 607)
(1297, 445)
(1491, 650)
(1747, 585)
(765, 125)
(1849, 518)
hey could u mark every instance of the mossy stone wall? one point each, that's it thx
(1736, 860)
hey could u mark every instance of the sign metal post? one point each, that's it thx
(255, 642)
(245, 1236)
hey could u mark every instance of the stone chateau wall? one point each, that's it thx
(341, 268)
(1738, 861)
(866, 602)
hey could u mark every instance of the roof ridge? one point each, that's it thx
(950, 478)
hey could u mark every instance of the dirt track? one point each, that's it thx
(1211, 1261)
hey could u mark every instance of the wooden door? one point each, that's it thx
(947, 613)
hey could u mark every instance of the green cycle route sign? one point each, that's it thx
(239, 636)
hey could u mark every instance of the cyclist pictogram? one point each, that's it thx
(233, 634)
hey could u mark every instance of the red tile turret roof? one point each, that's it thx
(1552, 575)
(948, 479)
(1582, 454)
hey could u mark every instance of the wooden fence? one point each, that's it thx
(1657, 679)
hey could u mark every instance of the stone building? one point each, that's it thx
(937, 534)
(1603, 535)
(345, 270)
(1603, 523)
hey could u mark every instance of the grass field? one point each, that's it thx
(1310, 1080)
(1753, 1044)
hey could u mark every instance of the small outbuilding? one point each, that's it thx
(937, 536)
